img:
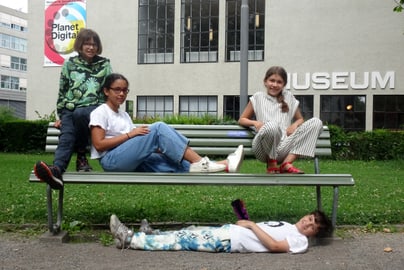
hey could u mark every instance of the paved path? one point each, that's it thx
(356, 251)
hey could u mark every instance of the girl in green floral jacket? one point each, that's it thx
(79, 94)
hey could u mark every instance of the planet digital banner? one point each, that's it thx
(63, 20)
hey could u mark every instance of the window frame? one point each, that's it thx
(144, 101)
(156, 29)
(199, 31)
(187, 102)
(256, 30)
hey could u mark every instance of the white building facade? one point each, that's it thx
(345, 58)
(13, 60)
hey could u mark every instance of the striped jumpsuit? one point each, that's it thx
(271, 141)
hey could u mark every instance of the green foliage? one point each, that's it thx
(6, 114)
(400, 6)
(184, 119)
(23, 136)
(49, 118)
(73, 226)
(106, 239)
(30, 136)
(339, 142)
(379, 144)
(376, 199)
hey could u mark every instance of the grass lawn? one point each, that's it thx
(377, 197)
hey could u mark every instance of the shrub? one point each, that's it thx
(23, 136)
(378, 144)
(184, 119)
(339, 142)
(6, 114)
(30, 136)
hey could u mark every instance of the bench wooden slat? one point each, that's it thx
(212, 139)
(219, 142)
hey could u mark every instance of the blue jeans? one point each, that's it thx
(162, 150)
(74, 135)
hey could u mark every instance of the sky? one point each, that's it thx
(21, 5)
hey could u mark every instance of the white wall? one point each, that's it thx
(303, 36)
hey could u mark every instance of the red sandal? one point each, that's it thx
(272, 166)
(292, 169)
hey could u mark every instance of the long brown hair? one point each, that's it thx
(284, 75)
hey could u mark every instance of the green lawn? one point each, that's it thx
(377, 197)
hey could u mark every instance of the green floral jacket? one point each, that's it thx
(81, 82)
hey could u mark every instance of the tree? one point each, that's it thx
(400, 6)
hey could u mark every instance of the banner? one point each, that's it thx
(63, 20)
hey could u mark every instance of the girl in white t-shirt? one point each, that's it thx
(244, 236)
(282, 134)
(121, 146)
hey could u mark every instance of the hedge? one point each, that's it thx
(23, 136)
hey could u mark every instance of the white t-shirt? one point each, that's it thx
(245, 240)
(114, 123)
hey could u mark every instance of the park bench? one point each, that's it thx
(211, 140)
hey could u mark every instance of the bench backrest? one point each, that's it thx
(211, 140)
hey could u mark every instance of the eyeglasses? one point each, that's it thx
(118, 90)
(94, 45)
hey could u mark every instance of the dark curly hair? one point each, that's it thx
(325, 228)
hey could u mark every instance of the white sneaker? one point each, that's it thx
(207, 166)
(235, 159)
(121, 233)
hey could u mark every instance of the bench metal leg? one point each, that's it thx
(54, 228)
(319, 204)
(335, 207)
(316, 166)
(334, 204)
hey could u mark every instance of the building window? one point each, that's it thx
(18, 107)
(256, 32)
(154, 106)
(13, 43)
(199, 31)
(306, 105)
(231, 107)
(388, 112)
(129, 107)
(18, 63)
(13, 22)
(9, 82)
(198, 105)
(348, 112)
(156, 31)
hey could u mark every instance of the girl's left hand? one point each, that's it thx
(291, 129)
(142, 130)
(245, 223)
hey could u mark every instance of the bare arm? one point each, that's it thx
(103, 144)
(298, 121)
(245, 118)
(271, 244)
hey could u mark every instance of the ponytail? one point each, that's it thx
(281, 99)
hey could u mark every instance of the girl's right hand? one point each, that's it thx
(258, 125)
(57, 124)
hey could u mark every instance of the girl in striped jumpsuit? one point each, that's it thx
(282, 134)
